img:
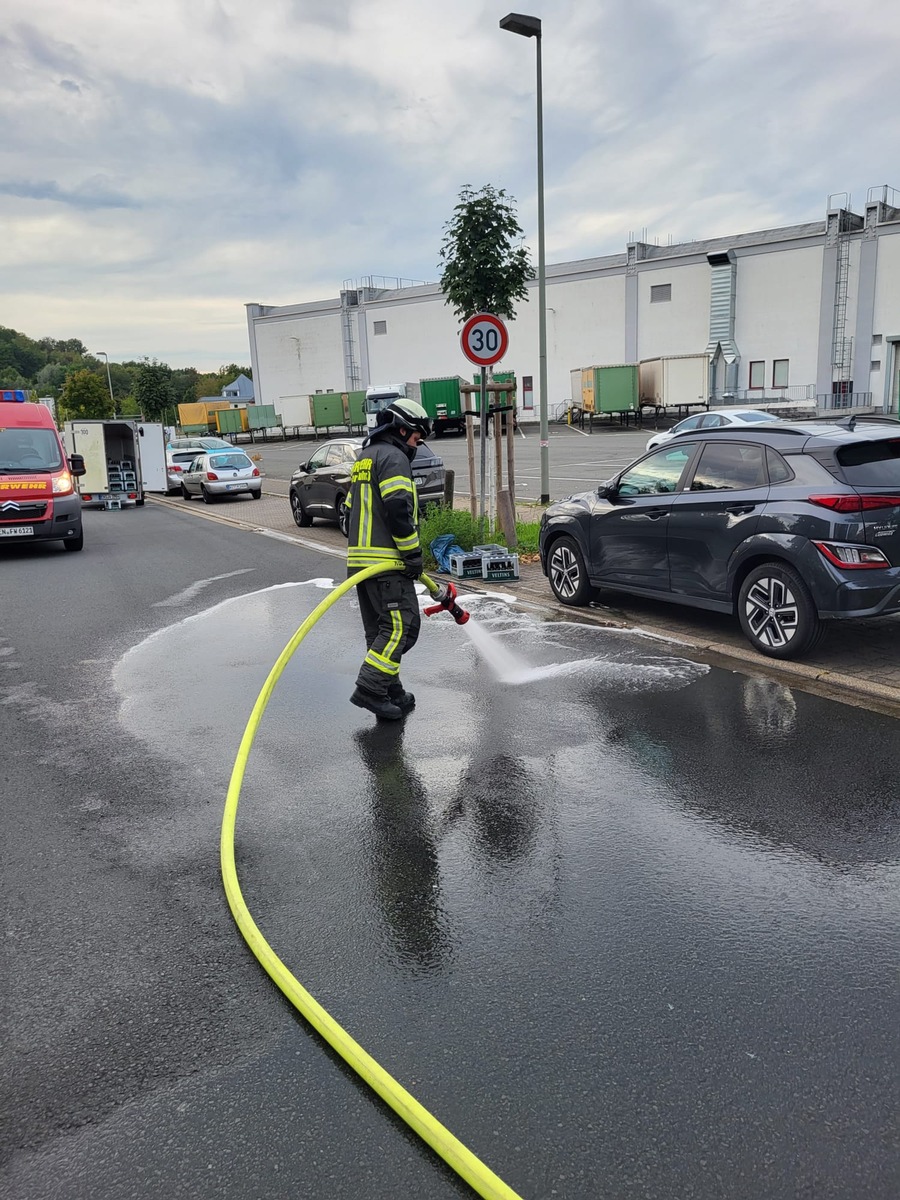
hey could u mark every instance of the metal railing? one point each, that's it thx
(833, 401)
(767, 395)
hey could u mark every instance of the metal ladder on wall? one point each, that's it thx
(349, 305)
(840, 343)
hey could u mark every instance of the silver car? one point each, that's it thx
(713, 418)
(218, 473)
(177, 462)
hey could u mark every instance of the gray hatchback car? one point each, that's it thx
(788, 526)
(219, 473)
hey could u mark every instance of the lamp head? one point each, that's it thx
(519, 23)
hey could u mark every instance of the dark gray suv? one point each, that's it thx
(787, 525)
(320, 485)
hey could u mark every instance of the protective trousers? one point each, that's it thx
(390, 615)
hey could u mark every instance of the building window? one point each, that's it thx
(780, 372)
(757, 375)
(660, 292)
(379, 327)
(875, 364)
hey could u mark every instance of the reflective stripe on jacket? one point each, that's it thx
(383, 506)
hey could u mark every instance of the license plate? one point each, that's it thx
(234, 487)
(15, 530)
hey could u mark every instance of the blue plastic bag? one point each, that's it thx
(442, 547)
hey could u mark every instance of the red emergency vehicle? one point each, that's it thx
(38, 501)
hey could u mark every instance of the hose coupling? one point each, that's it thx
(445, 601)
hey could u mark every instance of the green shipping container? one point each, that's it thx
(356, 408)
(261, 416)
(615, 388)
(228, 420)
(328, 410)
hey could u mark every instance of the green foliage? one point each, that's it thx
(50, 379)
(484, 270)
(212, 382)
(45, 365)
(439, 519)
(184, 385)
(153, 389)
(85, 396)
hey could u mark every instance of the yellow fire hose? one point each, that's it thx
(451, 1150)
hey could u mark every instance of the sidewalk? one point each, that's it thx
(858, 662)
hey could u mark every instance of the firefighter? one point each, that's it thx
(384, 528)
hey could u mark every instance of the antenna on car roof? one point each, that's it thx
(847, 422)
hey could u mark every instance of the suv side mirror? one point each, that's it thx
(607, 491)
(76, 465)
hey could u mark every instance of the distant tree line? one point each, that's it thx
(77, 379)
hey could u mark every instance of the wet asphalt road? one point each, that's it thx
(626, 924)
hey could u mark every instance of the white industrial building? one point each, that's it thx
(808, 312)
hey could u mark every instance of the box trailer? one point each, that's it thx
(611, 389)
(680, 381)
(123, 459)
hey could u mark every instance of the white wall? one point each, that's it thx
(298, 355)
(885, 383)
(679, 325)
(777, 312)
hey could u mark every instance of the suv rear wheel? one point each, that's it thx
(567, 573)
(777, 613)
(343, 516)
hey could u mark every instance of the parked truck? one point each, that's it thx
(123, 459)
(679, 382)
(379, 396)
(444, 403)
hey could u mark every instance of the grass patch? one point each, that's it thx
(469, 532)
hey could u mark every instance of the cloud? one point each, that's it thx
(92, 193)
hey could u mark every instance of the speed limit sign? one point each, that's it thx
(484, 339)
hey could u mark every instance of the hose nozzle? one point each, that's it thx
(445, 601)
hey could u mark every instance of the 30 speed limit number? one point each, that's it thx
(484, 339)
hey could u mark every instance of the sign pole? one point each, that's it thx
(484, 340)
(483, 429)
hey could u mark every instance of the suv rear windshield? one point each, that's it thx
(871, 464)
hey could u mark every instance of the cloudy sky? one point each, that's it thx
(165, 163)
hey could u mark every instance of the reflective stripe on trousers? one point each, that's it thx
(389, 609)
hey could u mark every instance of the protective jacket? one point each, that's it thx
(383, 505)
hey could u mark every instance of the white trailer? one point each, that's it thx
(680, 382)
(294, 412)
(124, 459)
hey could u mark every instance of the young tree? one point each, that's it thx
(153, 389)
(85, 396)
(485, 265)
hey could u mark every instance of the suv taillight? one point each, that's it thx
(851, 504)
(842, 554)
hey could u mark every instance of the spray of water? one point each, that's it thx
(625, 667)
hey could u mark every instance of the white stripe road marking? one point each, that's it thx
(190, 592)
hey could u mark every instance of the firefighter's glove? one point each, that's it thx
(413, 566)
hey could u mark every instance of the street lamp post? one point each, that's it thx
(531, 27)
(103, 354)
